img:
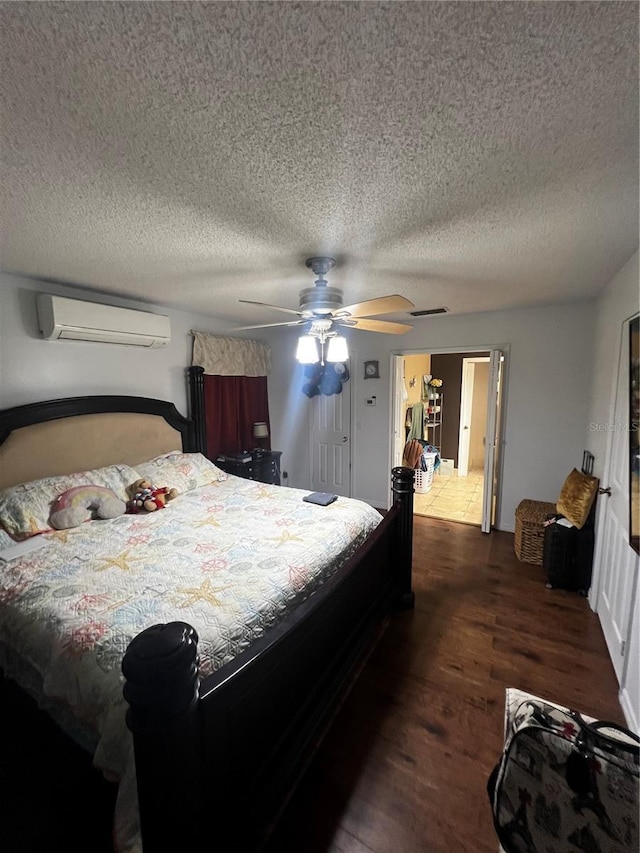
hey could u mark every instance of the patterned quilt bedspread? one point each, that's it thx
(232, 559)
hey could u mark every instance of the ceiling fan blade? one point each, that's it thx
(383, 326)
(382, 305)
(266, 305)
(300, 322)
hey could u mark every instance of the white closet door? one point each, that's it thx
(331, 442)
(616, 563)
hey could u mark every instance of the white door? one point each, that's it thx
(494, 396)
(466, 408)
(331, 442)
(615, 562)
(398, 395)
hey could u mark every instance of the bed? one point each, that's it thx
(238, 618)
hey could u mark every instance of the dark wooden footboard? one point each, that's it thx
(216, 759)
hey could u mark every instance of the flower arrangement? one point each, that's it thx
(433, 386)
(430, 386)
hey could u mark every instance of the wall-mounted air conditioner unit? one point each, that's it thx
(75, 320)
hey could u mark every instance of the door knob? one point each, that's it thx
(344, 438)
(606, 491)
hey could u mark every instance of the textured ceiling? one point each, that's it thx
(475, 155)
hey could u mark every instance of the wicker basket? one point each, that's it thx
(529, 538)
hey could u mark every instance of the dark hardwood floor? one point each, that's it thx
(405, 764)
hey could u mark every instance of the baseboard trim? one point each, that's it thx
(629, 711)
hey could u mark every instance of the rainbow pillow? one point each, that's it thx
(84, 503)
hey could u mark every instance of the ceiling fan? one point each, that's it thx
(321, 308)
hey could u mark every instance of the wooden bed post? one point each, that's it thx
(196, 395)
(161, 668)
(402, 487)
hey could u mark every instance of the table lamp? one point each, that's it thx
(260, 432)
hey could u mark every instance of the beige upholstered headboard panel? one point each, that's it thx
(83, 442)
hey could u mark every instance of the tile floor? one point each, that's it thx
(453, 498)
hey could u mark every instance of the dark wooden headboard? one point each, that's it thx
(79, 433)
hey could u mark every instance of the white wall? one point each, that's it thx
(289, 408)
(549, 380)
(33, 369)
(550, 364)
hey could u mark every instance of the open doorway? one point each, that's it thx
(460, 422)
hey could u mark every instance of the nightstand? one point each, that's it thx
(265, 469)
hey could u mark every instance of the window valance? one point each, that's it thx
(231, 356)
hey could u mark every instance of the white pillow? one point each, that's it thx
(25, 509)
(181, 471)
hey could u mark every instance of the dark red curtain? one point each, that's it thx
(232, 405)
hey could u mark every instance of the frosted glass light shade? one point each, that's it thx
(307, 352)
(337, 349)
(260, 430)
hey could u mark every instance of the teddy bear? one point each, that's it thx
(145, 496)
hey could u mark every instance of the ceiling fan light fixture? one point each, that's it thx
(337, 349)
(321, 306)
(307, 352)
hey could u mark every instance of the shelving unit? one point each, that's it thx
(433, 409)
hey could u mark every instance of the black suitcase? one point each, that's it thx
(567, 557)
(558, 555)
(583, 563)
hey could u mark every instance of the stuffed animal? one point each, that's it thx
(145, 496)
(83, 503)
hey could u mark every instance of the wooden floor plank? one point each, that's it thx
(404, 768)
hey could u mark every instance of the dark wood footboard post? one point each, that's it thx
(196, 395)
(402, 487)
(161, 668)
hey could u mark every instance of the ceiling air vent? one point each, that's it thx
(428, 311)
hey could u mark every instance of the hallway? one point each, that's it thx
(453, 498)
